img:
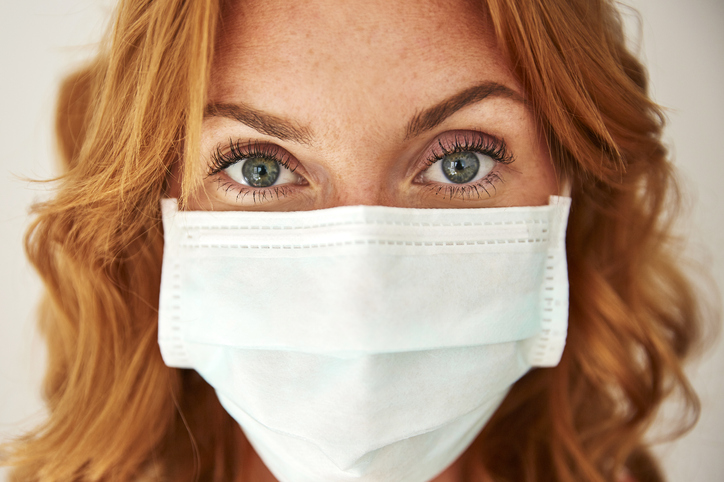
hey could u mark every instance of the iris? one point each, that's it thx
(260, 171)
(460, 167)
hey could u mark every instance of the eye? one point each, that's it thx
(460, 158)
(460, 168)
(255, 165)
(260, 172)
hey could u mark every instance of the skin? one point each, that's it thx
(351, 77)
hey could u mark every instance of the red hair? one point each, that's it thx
(117, 412)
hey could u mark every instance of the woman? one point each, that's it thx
(455, 105)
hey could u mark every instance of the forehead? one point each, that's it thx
(367, 57)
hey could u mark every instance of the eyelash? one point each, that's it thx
(237, 151)
(486, 145)
(482, 144)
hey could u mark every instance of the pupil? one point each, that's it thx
(460, 167)
(260, 171)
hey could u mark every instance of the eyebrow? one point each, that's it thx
(263, 122)
(424, 120)
(435, 115)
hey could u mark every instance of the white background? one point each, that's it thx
(41, 40)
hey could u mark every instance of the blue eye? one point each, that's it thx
(464, 158)
(254, 165)
(260, 172)
(461, 167)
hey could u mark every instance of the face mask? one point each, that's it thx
(363, 343)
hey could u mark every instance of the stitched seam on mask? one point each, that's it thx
(376, 223)
(380, 242)
(179, 349)
(547, 321)
(543, 342)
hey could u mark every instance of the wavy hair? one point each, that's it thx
(124, 121)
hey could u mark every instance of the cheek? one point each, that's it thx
(538, 179)
(532, 178)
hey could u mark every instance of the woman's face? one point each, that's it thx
(324, 103)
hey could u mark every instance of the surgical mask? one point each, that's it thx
(363, 343)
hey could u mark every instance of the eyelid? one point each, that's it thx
(234, 151)
(459, 141)
(474, 141)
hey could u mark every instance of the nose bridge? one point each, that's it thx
(352, 191)
(363, 172)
